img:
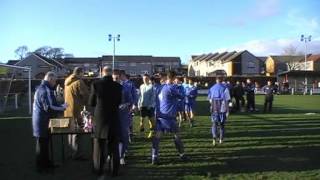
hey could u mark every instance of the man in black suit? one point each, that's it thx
(105, 97)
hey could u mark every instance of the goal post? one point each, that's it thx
(29, 81)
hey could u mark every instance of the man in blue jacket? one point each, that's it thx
(166, 112)
(191, 93)
(124, 111)
(45, 107)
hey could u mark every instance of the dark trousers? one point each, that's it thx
(42, 152)
(268, 104)
(251, 102)
(102, 148)
(238, 100)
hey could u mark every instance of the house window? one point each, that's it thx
(122, 64)
(43, 66)
(251, 64)
(133, 64)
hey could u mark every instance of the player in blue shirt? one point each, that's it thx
(124, 110)
(191, 93)
(158, 87)
(166, 117)
(181, 103)
(218, 97)
(125, 79)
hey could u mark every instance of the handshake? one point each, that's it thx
(64, 106)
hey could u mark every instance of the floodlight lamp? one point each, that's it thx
(302, 38)
(118, 37)
(110, 37)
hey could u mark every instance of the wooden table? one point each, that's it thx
(64, 131)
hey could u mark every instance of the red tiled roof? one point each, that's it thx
(315, 57)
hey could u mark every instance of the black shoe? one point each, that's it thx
(184, 158)
(80, 158)
(141, 129)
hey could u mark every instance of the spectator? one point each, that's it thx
(76, 95)
(238, 93)
(250, 89)
(269, 90)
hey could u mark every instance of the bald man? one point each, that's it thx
(105, 98)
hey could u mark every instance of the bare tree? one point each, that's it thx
(21, 52)
(55, 53)
(291, 50)
(294, 64)
(46, 51)
(43, 51)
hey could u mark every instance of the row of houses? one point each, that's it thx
(226, 63)
(244, 63)
(134, 65)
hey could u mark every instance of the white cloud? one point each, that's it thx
(275, 46)
(298, 23)
(259, 10)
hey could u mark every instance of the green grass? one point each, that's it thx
(281, 145)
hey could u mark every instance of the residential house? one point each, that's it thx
(133, 65)
(225, 63)
(40, 65)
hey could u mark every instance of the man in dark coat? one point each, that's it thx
(238, 93)
(250, 91)
(269, 90)
(45, 106)
(105, 97)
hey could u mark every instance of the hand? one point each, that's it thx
(65, 105)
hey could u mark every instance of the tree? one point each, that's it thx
(43, 51)
(21, 52)
(52, 52)
(291, 50)
(46, 51)
(55, 53)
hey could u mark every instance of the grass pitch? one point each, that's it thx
(284, 144)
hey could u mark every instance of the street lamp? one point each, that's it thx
(305, 39)
(113, 38)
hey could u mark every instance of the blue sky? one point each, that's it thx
(160, 28)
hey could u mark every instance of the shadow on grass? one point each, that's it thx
(203, 107)
(253, 143)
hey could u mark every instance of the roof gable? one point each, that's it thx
(36, 57)
(315, 57)
(287, 58)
